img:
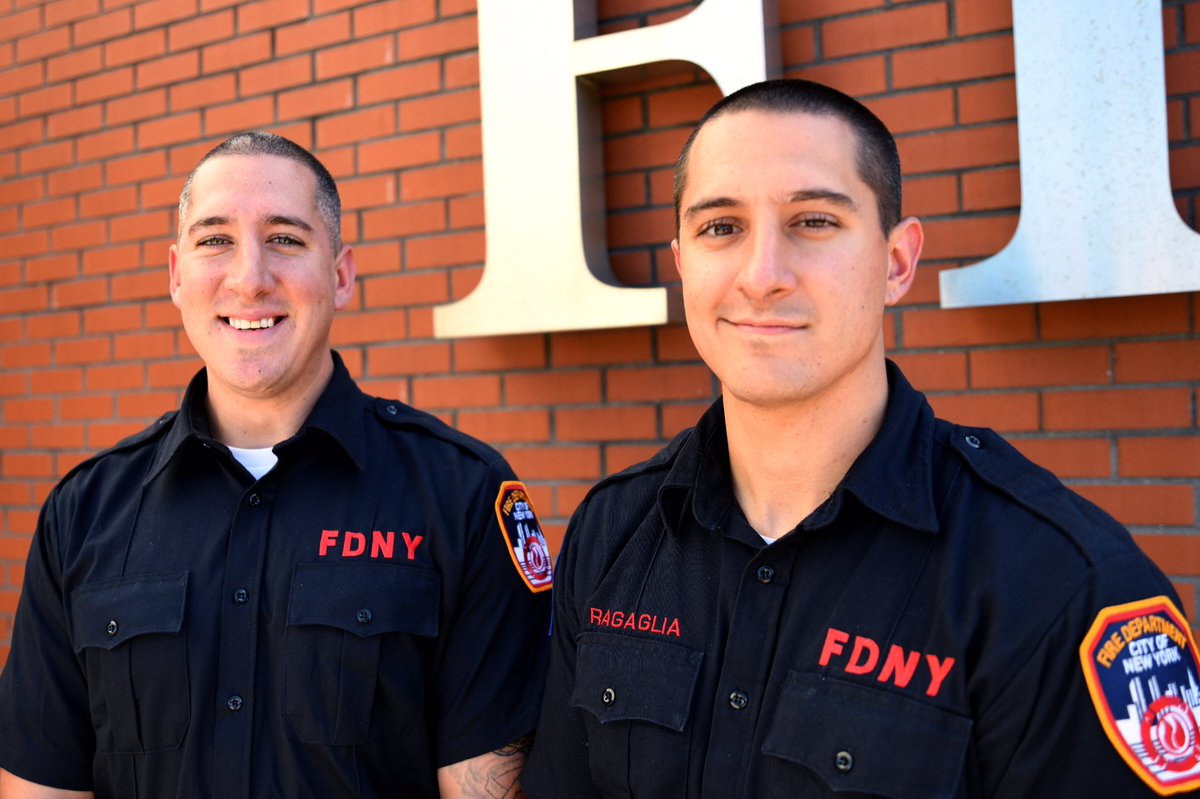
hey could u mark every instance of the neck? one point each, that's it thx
(251, 422)
(787, 460)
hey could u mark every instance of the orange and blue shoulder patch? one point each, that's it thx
(523, 534)
(1140, 663)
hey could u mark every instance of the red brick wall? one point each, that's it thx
(106, 104)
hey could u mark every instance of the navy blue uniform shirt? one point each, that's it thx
(917, 635)
(343, 626)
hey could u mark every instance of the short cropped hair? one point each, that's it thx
(329, 204)
(878, 160)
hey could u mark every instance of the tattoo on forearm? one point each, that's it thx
(495, 777)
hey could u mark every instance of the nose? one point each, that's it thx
(766, 273)
(249, 274)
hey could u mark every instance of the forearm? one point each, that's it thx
(13, 787)
(495, 775)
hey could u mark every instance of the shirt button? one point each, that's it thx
(240, 596)
(111, 628)
(392, 410)
(973, 441)
(738, 700)
(765, 574)
(254, 501)
(364, 616)
(608, 697)
(843, 761)
(234, 703)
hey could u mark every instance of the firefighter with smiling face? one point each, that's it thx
(287, 587)
(854, 598)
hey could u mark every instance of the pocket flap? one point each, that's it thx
(621, 679)
(109, 613)
(868, 740)
(366, 599)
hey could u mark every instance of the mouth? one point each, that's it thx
(238, 323)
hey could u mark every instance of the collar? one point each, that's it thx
(893, 476)
(337, 417)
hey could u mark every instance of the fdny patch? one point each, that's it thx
(526, 544)
(1140, 663)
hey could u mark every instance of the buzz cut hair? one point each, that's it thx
(878, 160)
(329, 203)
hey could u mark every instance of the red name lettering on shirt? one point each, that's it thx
(350, 544)
(642, 622)
(898, 667)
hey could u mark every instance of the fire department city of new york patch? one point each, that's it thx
(526, 544)
(1140, 663)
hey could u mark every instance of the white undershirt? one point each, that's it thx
(256, 461)
(768, 540)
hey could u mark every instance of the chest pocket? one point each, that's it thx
(357, 640)
(864, 742)
(127, 632)
(637, 694)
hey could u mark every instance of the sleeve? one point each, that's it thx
(558, 765)
(46, 734)
(1053, 733)
(493, 654)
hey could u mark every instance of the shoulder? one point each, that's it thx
(426, 431)
(636, 486)
(127, 456)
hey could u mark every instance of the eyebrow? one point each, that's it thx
(804, 195)
(275, 219)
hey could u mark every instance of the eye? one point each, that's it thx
(718, 228)
(286, 240)
(213, 241)
(816, 222)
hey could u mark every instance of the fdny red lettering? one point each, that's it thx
(354, 544)
(899, 666)
(642, 622)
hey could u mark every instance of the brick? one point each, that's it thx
(20, 192)
(934, 371)
(438, 39)
(269, 14)
(809, 10)
(1007, 324)
(407, 151)
(173, 374)
(101, 436)
(1005, 412)
(167, 70)
(1153, 315)
(57, 381)
(500, 354)
(405, 290)
(78, 236)
(439, 111)
(1174, 554)
(279, 74)
(449, 249)
(136, 48)
(22, 78)
(43, 101)
(973, 18)
(104, 27)
(1053, 366)
(235, 53)
(144, 346)
(1158, 361)
(256, 113)
(858, 77)
(462, 71)
(466, 212)
(653, 384)
(404, 220)
(169, 130)
(644, 150)
(115, 377)
(106, 85)
(1185, 167)
(1182, 72)
(370, 123)
(138, 227)
(99, 146)
(507, 426)
(55, 267)
(414, 358)
(1159, 457)
(74, 64)
(638, 228)
(312, 34)
(622, 456)
(146, 406)
(28, 410)
(25, 356)
(554, 462)
(798, 46)
(107, 202)
(1120, 409)
(204, 92)
(1191, 23)
(933, 195)
(107, 260)
(110, 319)
(200, 31)
(21, 23)
(21, 465)
(153, 13)
(571, 387)
(989, 101)
(393, 15)
(959, 149)
(1143, 504)
(991, 189)
(367, 192)
(376, 259)
(139, 168)
(954, 62)
(361, 56)
(626, 114)
(366, 328)
(915, 111)
(316, 100)
(1068, 457)
(475, 391)
(43, 44)
(605, 424)
(444, 180)
(621, 346)
(140, 286)
(886, 30)
(53, 212)
(58, 437)
(136, 107)
(80, 293)
(89, 407)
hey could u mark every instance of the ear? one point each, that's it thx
(344, 273)
(173, 273)
(904, 251)
(675, 252)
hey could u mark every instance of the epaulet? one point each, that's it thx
(659, 461)
(147, 435)
(998, 464)
(398, 415)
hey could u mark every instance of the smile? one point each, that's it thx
(252, 324)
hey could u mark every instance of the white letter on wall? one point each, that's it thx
(1097, 218)
(547, 261)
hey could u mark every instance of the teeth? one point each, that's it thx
(251, 324)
